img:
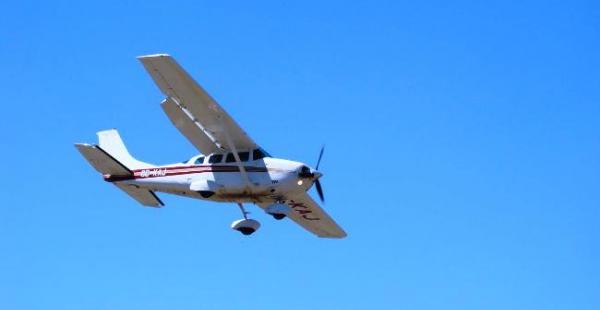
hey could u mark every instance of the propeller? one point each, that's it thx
(306, 172)
(319, 190)
(317, 182)
(320, 156)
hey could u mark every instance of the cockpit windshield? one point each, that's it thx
(259, 154)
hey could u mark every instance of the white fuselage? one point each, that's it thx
(264, 180)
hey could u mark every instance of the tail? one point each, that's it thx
(111, 158)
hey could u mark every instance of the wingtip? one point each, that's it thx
(340, 236)
(334, 235)
(152, 56)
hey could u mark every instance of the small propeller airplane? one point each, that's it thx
(231, 167)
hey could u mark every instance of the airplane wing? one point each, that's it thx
(192, 110)
(307, 213)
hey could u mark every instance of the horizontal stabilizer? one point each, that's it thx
(144, 196)
(102, 161)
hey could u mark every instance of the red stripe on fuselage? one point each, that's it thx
(180, 170)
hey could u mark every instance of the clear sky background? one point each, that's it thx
(462, 154)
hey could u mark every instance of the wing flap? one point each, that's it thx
(186, 125)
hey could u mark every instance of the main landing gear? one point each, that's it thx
(246, 226)
(278, 210)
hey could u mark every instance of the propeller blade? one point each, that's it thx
(320, 155)
(319, 190)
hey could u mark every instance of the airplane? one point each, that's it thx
(230, 168)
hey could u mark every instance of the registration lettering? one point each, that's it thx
(303, 210)
(153, 173)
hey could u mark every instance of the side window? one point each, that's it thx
(258, 154)
(244, 156)
(217, 158)
(199, 161)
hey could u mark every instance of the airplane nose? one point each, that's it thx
(307, 172)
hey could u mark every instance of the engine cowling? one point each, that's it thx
(278, 210)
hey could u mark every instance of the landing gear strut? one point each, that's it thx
(246, 226)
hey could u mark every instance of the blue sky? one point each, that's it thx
(463, 154)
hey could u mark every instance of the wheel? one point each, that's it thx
(278, 216)
(246, 231)
(246, 226)
(278, 210)
(206, 194)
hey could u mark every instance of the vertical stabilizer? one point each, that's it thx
(110, 141)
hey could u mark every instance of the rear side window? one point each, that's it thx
(199, 161)
(217, 158)
(230, 158)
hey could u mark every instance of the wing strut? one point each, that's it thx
(237, 159)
